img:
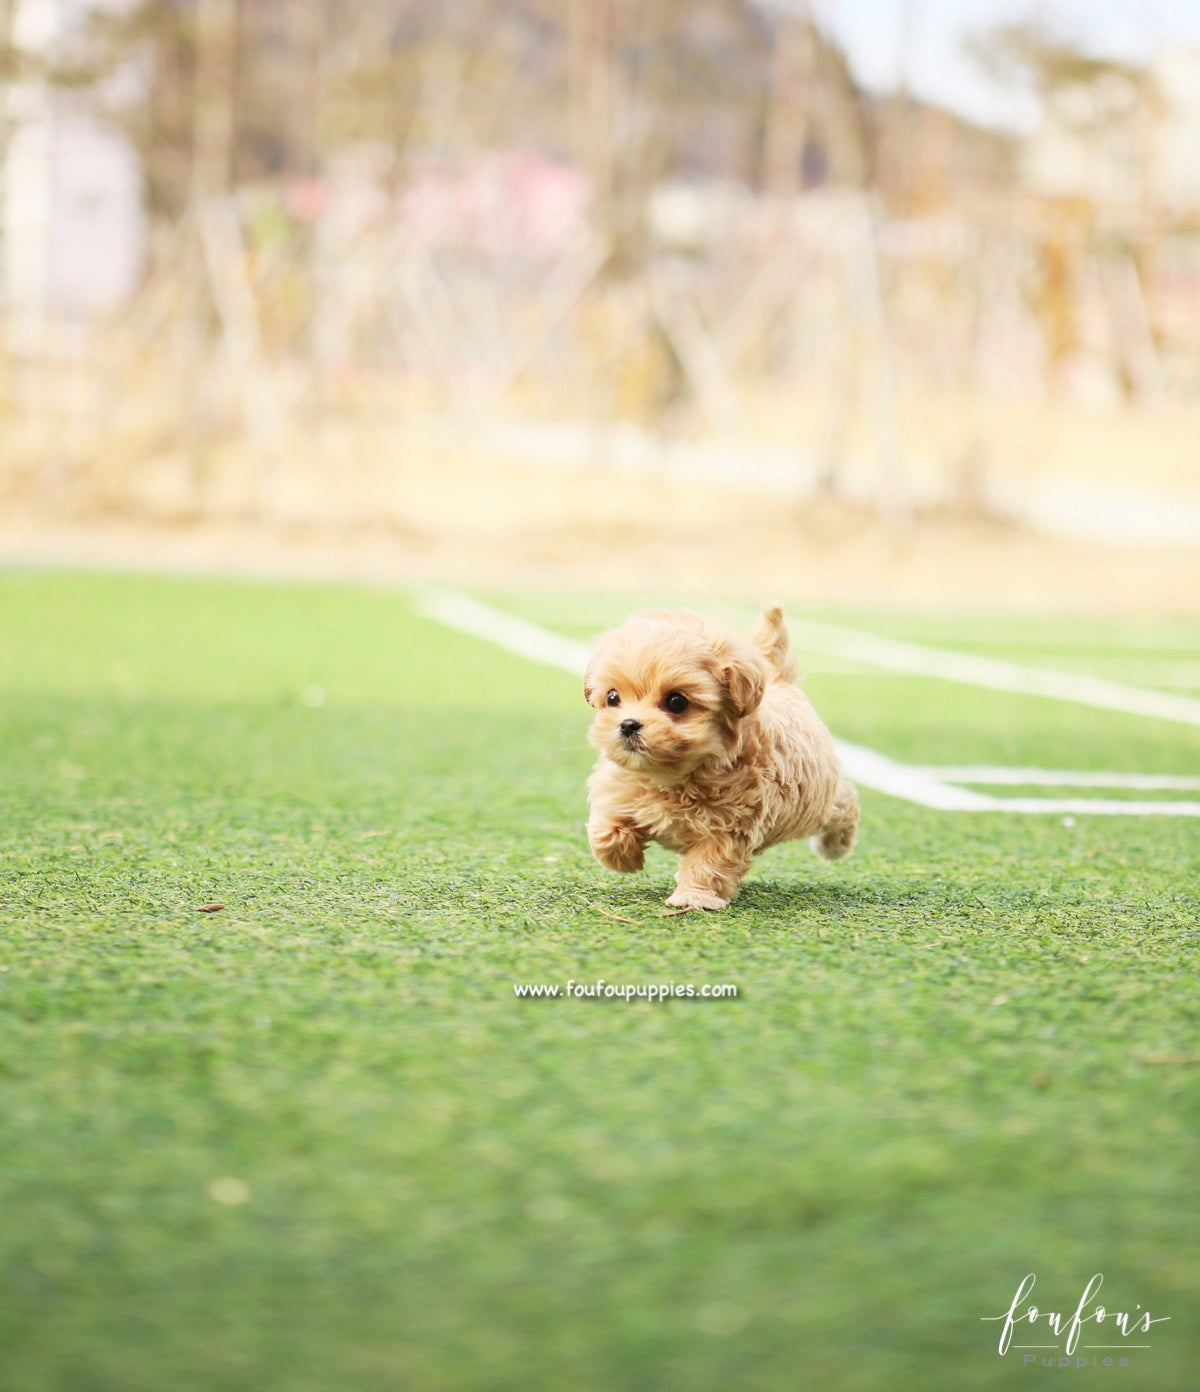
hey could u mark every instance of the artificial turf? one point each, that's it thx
(313, 1141)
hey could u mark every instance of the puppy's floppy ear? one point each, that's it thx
(600, 660)
(590, 676)
(743, 675)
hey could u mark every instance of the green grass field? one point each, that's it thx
(313, 1141)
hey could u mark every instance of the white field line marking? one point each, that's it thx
(928, 787)
(923, 786)
(1059, 778)
(994, 673)
(517, 635)
(1102, 807)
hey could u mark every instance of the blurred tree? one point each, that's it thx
(1031, 54)
(630, 89)
(1088, 155)
(153, 42)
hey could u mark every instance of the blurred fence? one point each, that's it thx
(802, 329)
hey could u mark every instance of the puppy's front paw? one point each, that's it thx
(696, 899)
(619, 848)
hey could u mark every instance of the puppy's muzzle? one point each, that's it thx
(630, 729)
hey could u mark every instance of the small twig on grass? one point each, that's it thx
(607, 913)
(673, 913)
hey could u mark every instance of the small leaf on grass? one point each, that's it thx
(209, 908)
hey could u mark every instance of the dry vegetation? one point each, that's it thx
(695, 310)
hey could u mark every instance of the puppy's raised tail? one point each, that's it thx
(770, 637)
(836, 838)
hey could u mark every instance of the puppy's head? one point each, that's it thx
(669, 689)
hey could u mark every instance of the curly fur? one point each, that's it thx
(747, 764)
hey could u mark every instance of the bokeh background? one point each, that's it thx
(894, 300)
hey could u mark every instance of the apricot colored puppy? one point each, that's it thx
(708, 748)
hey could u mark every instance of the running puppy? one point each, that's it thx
(708, 748)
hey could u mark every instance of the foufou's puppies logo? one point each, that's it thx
(1111, 1338)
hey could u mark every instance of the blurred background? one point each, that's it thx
(881, 301)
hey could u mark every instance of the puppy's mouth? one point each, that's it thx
(631, 751)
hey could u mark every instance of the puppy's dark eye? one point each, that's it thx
(676, 703)
(612, 699)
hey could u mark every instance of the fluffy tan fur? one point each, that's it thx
(707, 748)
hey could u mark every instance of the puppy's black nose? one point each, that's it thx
(630, 727)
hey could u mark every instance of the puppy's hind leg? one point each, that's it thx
(836, 838)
